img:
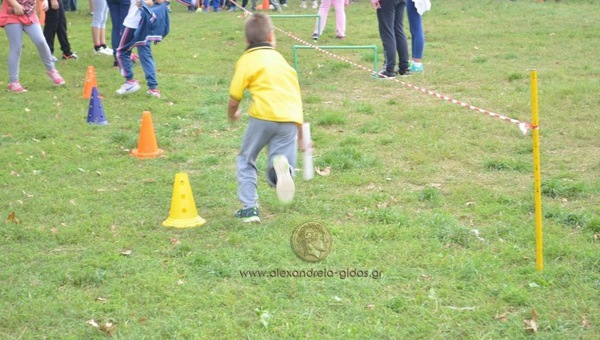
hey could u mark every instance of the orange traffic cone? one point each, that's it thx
(183, 213)
(265, 5)
(90, 82)
(147, 146)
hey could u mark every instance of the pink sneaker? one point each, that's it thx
(15, 87)
(154, 92)
(55, 77)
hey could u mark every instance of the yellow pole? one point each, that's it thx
(536, 172)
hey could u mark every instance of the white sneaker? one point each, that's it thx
(104, 50)
(303, 4)
(314, 5)
(129, 86)
(54, 59)
(285, 187)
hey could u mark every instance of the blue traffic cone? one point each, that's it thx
(96, 111)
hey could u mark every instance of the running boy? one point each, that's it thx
(147, 22)
(275, 115)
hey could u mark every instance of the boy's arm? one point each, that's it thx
(233, 110)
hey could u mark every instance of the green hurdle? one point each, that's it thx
(295, 49)
(300, 16)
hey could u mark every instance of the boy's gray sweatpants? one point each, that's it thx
(280, 139)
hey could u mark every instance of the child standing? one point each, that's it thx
(18, 16)
(340, 18)
(99, 17)
(56, 25)
(275, 115)
(142, 27)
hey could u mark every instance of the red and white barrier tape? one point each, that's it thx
(523, 126)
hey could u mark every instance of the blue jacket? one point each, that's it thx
(154, 25)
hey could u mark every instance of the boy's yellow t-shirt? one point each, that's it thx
(272, 82)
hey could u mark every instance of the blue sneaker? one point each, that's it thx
(249, 215)
(414, 68)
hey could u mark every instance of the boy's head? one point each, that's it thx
(259, 29)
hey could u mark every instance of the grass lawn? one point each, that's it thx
(430, 205)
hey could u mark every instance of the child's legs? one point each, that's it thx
(216, 4)
(61, 32)
(284, 142)
(257, 135)
(14, 33)
(148, 66)
(340, 18)
(323, 11)
(416, 30)
(50, 27)
(124, 55)
(34, 31)
(118, 12)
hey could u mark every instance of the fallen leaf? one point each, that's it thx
(175, 241)
(425, 277)
(502, 317)
(531, 325)
(126, 252)
(27, 110)
(323, 172)
(14, 173)
(43, 154)
(108, 328)
(584, 322)
(27, 195)
(92, 323)
(80, 169)
(98, 173)
(370, 306)
(101, 299)
(180, 282)
(54, 231)
(13, 218)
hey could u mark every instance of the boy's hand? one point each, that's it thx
(236, 116)
(53, 4)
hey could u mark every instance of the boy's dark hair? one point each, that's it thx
(258, 27)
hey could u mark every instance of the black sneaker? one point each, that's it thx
(315, 36)
(404, 72)
(71, 56)
(248, 215)
(383, 74)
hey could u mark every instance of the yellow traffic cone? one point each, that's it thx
(183, 213)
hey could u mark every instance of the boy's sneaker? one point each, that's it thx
(315, 5)
(383, 74)
(415, 69)
(248, 215)
(55, 77)
(285, 184)
(303, 4)
(15, 87)
(129, 86)
(104, 50)
(404, 72)
(154, 92)
(71, 56)
(315, 36)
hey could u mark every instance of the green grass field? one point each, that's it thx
(434, 200)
